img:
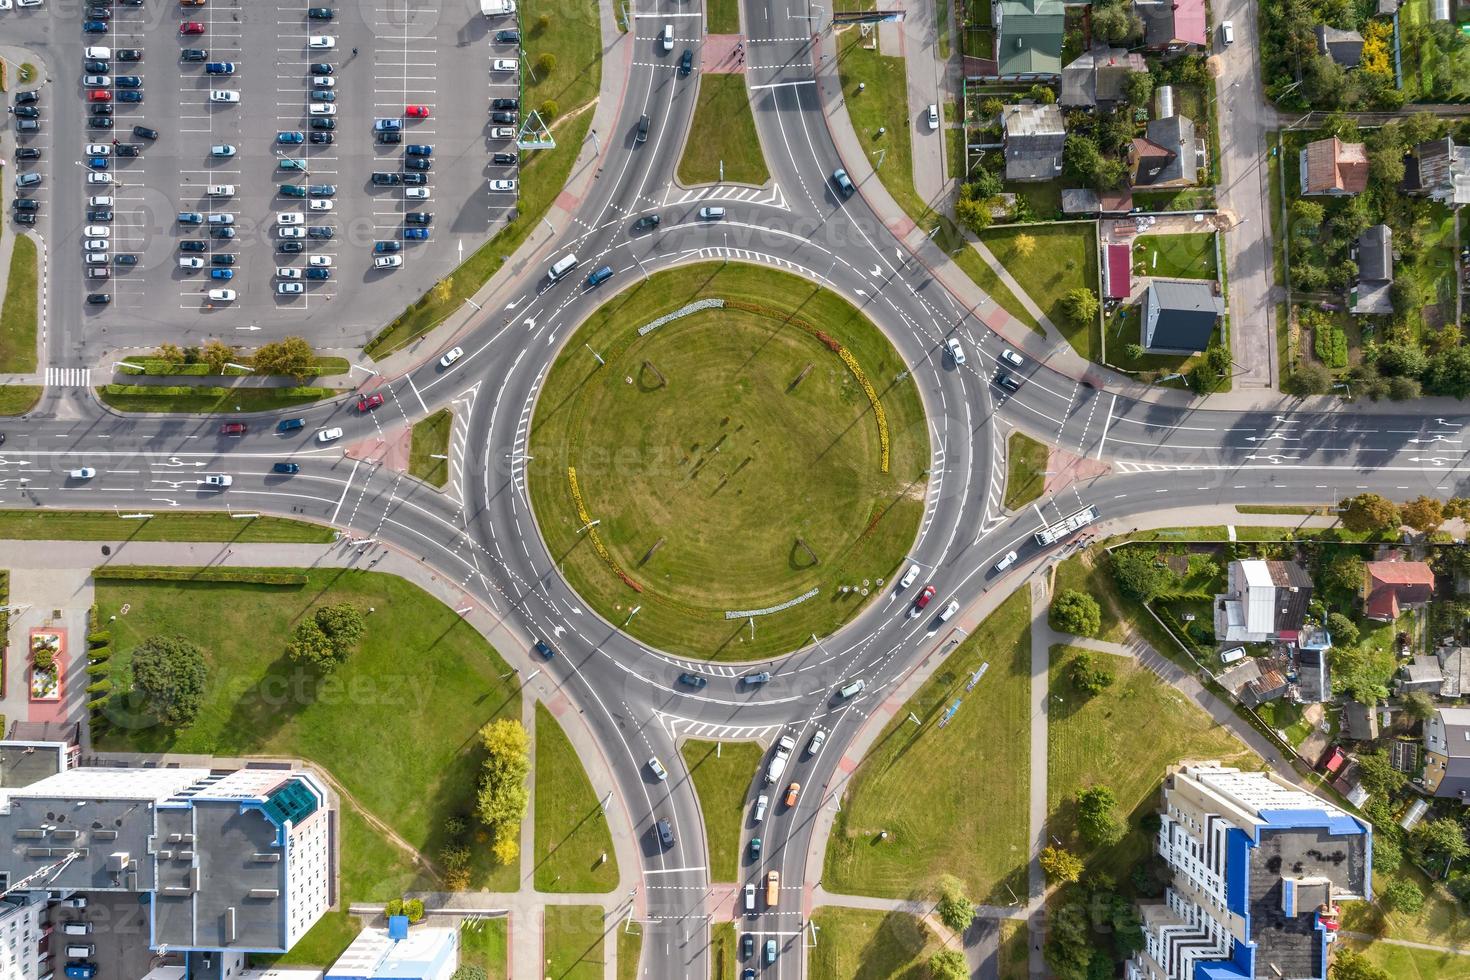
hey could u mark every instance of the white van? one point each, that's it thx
(666, 38)
(1233, 655)
(80, 952)
(100, 200)
(1006, 562)
(562, 266)
(853, 689)
(76, 928)
(220, 190)
(1227, 33)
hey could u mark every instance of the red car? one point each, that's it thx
(233, 429)
(191, 27)
(416, 111)
(369, 402)
(99, 95)
(921, 601)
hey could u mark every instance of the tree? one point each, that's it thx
(443, 289)
(1403, 896)
(469, 972)
(1410, 293)
(1344, 631)
(1407, 360)
(1404, 389)
(545, 63)
(169, 674)
(1064, 866)
(1096, 821)
(1368, 512)
(502, 798)
(1309, 378)
(1419, 706)
(169, 354)
(1449, 373)
(327, 639)
(216, 354)
(309, 645)
(955, 910)
(1077, 613)
(992, 107)
(1139, 87)
(1024, 245)
(1139, 575)
(1443, 837)
(1089, 674)
(1387, 855)
(1113, 21)
(1348, 964)
(1081, 157)
(549, 110)
(974, 214)
(947, 964)
(1309, 213)
(506, 849)
(985, 184)
(1080, 306)
(1344, 573)
(292, 356)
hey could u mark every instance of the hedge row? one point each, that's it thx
(248, 576)
(99, 639)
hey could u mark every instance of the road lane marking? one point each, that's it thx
(345, 487)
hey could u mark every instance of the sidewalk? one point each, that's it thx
(1042, 637)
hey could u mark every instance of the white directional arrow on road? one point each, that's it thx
(175, 461)
(165, 500)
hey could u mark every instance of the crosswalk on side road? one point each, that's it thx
(68, 377)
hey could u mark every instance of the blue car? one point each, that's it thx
(316, 273)
(600, 276)
(220, 68)
(290, 138)
(130, 95)
(190, 218)
(222, 274)
(416, 234)
(290, 425)
(127, 81)
(98, 163)
(95, 27)
(287, 468)
(544, 648)
(383, 248)
(419, 150)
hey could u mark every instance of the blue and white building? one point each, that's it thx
(399, 953)
(1260, 868)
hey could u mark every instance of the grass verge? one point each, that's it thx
(18, 317)
(723, 132)
(208, 400)
(573, 942)
(721, 783)
(1440, 923)
(157, 367)
(858, 944)
(97, 525)
(431, 439)
(571, 831)
(958, 248)
(257, 702)
(936, 823)
(19, 399)
(485, 944)
(883, 103)
(723, 17)
(1409, 963)
(630, 950)
(722, 953)
(1052, 261)
(1013, 961)
(1025, 470)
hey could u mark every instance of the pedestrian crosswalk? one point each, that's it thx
(68, 377)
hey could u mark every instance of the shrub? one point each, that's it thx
(1096, 821)
(414, 909)
(245, 576)
(548, 110)
(99, 638)
(1090, 674)
(1077, 613)
(45, 659)
(100, 687)
(1344, 631)
(1404, 896)
(327, 639)
(955, 910)
(545, 64)
(169, 673)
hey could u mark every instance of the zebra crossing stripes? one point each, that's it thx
(68, 377)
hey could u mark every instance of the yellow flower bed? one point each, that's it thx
(586, 519)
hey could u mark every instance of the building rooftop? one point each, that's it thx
(1333, 166)
(1034, 138)
(1029, 37)
(1180, 314)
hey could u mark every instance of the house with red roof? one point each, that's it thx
(1390, 587)
(1173, 26)
(1118, 271)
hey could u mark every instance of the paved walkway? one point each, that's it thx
(40, 594)
(1042, 638)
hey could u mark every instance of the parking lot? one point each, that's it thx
(227, 163)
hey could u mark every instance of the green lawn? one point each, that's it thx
(1177, 256)
(485, 944)
(421, 673)
(1080, 571)
(430, 439)
(721, 783)
(723, 132)
(736, 416)
(723, 955)
(205, 400)
(1014, 958)
(857, 944)
(19, 399)
(18, 317)
(573, 942)
(571, 831)
(321, 945)
(572, 35)
(1094, 741)
(1185, 199)
(958, 248)
(1408, 963)
(722, 17)
(1061, 258)
(1025, 470)
(937, 823)
(98, 525)
(883, 103)
(1442, 921)
(630, 947)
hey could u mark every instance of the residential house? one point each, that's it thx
(1421, 675)
(1096, 78)
(1034, 137)
(1447, 754)
(1359, 722)
(1260, 868)
(1331, 166)
(1263, 602)
(1167, 155)
(1313, 678)
(1343, 47)
(1173, 26)
(1391, 586)
(1117, 270)
(1256, 680)
(1440, 170)
(1180, 316)
(1454, 661)
(1028, 39)
(1374, 290)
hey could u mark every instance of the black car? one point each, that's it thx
(319, 232)
(747, 946)
(27, 112)
(290, 248)
(321, 137)
(27, 98)
(665, 832)
(99, 299)
(321, 69)
(505, 103)
(130, 95)
(507, 37)
(503, 118)
(222, 258)
(222, 231)
(193, 245)
(99, 122)
(193, 54)
(96, 67)
(26, 218)
(323, 122)
(504, 159)
(145, 132)
(385, 179)
(102, 109)
(97, 12)
(544, 648)
(28, 153)
(129, 54)
(26, 204)
(692, 680)
(125, 258)
(418, 218)
(127, 149)
(390, 138)
(128, 81)
(647, 223)
(319, 13)
(1008, 381)
(686, 63)
(99, 214)
(418, 163)
(414, 179)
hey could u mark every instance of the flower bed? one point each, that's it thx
(47, 648)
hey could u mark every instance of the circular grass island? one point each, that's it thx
(749, 449)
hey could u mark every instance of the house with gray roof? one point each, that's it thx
(1167, 155)
(1440, 170)
(1034, 138)
(1180, 315)
(1375, 271)
(1096, 77)
(1447, 754)
(1343, 47)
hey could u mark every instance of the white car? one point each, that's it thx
(450, 356)
(328, 435)
(218, 480)
(321, 42)
(502, 133)
(222, 295)
(288, 288)
(1006, 561)
(387, 261)
(955, 350)
(909, 577)
(220, 190)
(99, 177)
(504, 64)
(100, 201)
(96, 245)
(815, 745)
(1012, 358)
(98, 53)
(320, 261)
(223, 218)
(286, 272)
(99, 149)
(82, 473)
(97, 231)
(191, 262)
(96, 81)
(750, 896)
(761, 802)
(933, 116)
(503, 184)
(657, 768)
(416, 193)
(320, 205)
(291, 232)
(222, 150)
(97, 258)
(323, 109)
(323, 81)
(949, 610)
(224, 95)
(290, 218)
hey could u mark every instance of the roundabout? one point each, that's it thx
(727, 460)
